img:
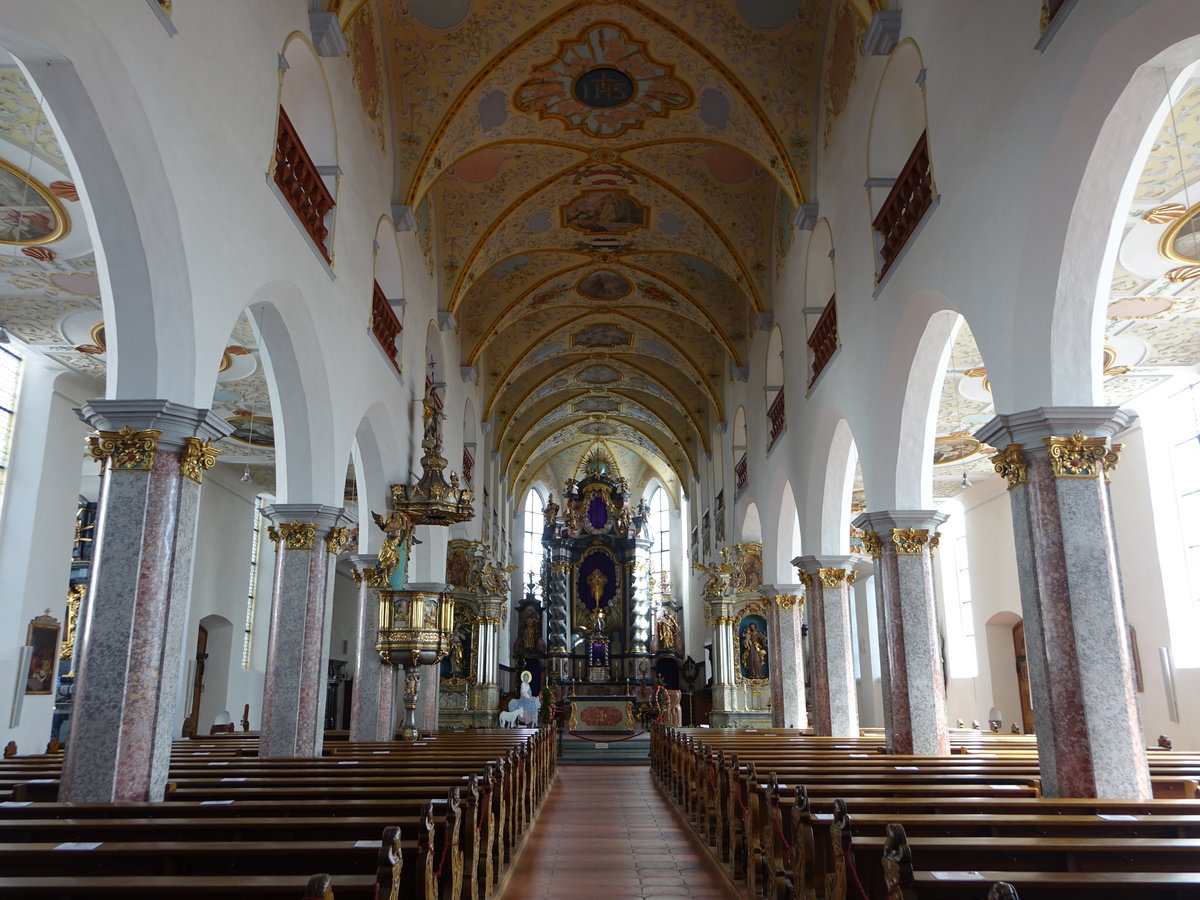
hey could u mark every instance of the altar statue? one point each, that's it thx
(550, 511)
(754, 651)
(597, 582)
(668, 631)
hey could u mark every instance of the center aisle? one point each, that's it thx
(607, 832)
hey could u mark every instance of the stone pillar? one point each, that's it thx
(307, 539)
(827, 581)
(374, 699)
(786, 656)
(915, 698)
(1057, 461)
(429, 698)
(153, 454)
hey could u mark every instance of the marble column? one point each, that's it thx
(153, 455)
(789, 707)
(372, 716)
(915, 698)
(1057, 461)
(429, 692)
(307, 539)
(827, 582)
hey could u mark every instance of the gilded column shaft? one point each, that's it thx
(1057, 462)
(129, 656)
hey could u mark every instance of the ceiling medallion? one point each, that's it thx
(952, 448)
(604, 212)
(604, 284)
(1181, 241)
(603, 83)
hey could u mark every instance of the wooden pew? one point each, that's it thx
(779, 846)
(451, 856)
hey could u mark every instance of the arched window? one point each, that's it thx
(10, 385)
(660, 531)
(531, 562)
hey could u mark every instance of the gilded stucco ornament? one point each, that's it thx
(293, 535)
(66, 650)
(1080, 456)
(125, 450)
(833, 577)
(197, 458)
(935, 540)
(786, 601)
(1010, 464)
(871, 544)
(338, 538)
(910, 541)
(806, 579)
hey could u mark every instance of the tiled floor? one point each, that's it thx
(607, 833)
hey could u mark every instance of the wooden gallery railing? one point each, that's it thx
(823, 341)
(468, 467)
(741, 475)
(777, 415)
(385, 325)
(907, 202)
(300, 182)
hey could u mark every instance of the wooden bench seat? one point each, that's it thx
(231, 813)
(228, 887)
(973, 810)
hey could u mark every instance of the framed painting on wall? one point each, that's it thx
(43, 639)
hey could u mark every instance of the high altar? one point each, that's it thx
(597, 603)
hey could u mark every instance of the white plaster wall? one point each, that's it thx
(37, 526)
(1145, 596)
(219, 583)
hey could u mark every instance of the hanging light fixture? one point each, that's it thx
(246, 477)
(966, 479)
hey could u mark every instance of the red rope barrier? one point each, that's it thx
(782, 836)
(854, 870)
(446, 845)
(483, 798)
(583, 737)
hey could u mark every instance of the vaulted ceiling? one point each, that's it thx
(602, 191)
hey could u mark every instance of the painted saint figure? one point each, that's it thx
(754, 651)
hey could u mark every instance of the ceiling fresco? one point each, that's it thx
(601, 189)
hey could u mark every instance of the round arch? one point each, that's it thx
(145, 288)
(1084, 186)
(308, 467)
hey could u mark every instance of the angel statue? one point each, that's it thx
(718, 578)
(398, 527)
